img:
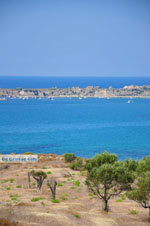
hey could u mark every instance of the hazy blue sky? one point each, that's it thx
(75, 37)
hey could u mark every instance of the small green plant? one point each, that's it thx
(119, 200)
(11, 180)
(77, 165)
(59, 185)
(55, 201)
(90, 194)
(77, 215)
(73, 174)
(44, 167)
(4, 181)
(64, 197)
(17, 175)
(33, 183)
(64, 181)
(49, 172)
(19, 186)
(79, 190)
(8, 188)
(123, 197)
(69, 157)
(72, 187)
(77, 183)
(133, 212)
(42, 203)
(36, 199)
(14, 197)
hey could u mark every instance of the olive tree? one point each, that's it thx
(99, 160)
(108, 180)
(141, 192)
(39, 176)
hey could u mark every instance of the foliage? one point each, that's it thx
(141, 193)
(99, 160)
(77, 215)
(55, 201)
(109, 180)
(77, 165)
(36, 199)
(49, 172)
(77, 183)
(69, 157)
(143, 165)
(133, 212)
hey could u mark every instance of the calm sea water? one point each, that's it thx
(65, 82)
(84, 127)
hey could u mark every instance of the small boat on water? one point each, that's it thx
(3, 99)
(129, 101)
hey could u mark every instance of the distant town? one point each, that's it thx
(89, 91)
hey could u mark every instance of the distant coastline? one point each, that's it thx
(130, 91)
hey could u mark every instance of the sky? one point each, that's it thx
(75, 37)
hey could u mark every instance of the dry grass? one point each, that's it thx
(76, 206)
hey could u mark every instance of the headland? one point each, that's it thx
(131, 91)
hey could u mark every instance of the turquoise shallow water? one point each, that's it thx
(85, 127)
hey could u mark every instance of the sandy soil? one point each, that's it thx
(76, 208)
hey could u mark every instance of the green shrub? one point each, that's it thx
(119, 200)
(64, 197)
(42, 203)
(133, 212)
(77, 215)
(77, 183)
(123, 197)
(8, 188)
(4, 181)
(59, 185)
(36, 199)
(77, 165)
(55, 200)
(19, 186)
(69, 157)
(49, 172)
(11, 180)
(33, 183)
(72, 187)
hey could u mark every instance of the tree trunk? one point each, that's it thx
(106, 205)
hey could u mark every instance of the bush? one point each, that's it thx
(36, 199)
(77, 165)
(77, 183)
(59, 185)
(55, 201)
(133, 212)
(19, 186)
(49, 172)
(77, 215)
(64, 197)
(69, 157)
(11, 180)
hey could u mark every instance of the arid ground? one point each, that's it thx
(24, 206)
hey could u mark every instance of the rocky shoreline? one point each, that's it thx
(77, 92)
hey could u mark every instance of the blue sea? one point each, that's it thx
(85, 127)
